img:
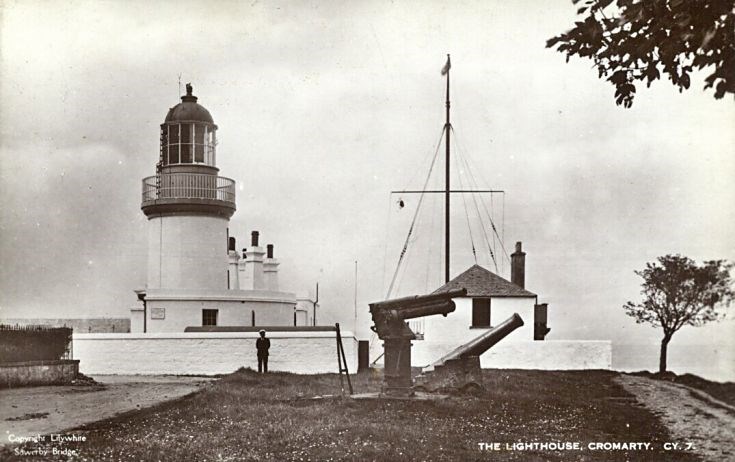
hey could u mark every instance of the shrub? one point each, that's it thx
(33, 343)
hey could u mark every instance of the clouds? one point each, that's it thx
(323, 109)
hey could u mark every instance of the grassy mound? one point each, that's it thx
(272, 417)
(724, 391)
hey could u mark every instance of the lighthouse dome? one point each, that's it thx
(188, 110)
(188, 135)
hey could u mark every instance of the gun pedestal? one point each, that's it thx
(461, 367)
(397, 372)
(390, 317)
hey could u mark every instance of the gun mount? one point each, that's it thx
(461, 367)
(390, 318)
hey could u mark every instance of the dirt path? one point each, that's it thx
(691, 416)
(44, 410)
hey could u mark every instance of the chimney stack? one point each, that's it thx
(270, 269)
(251, 266)
(518, 266)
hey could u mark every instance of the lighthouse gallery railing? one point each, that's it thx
(188, 186)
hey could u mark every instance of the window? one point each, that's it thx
(480, 312)
(209, 317)
(199, 143)
(208, 146)
(187, 143)
(186, 147)
(173, 144)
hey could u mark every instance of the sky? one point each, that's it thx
(324, 108)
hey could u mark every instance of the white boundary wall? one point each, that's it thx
(550, 355)
(210, 352)
(547, 354)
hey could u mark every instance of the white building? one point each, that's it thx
(196, 276)
(490, 300)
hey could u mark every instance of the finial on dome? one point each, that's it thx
(189, 97)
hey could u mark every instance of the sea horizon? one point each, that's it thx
(711, 362)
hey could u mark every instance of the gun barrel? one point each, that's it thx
(484, 342)
(389, 316)
(443, 307)
(416, 300)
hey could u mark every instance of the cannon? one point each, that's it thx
(461, 367)
(390, 317)
(487, 340)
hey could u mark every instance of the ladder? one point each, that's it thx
(159, 165)
(342, 362)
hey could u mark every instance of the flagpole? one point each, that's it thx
(447, 130)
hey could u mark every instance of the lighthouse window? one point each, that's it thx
(185, 133)
(198, 143)
(210, 143)
(173, 144)
(188, 143)
(186, 154)
(173, 154)
(173, 134)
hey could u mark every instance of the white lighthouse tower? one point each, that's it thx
(188, 204)
(196, 278)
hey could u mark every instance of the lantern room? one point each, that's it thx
(187, 180)
(188, 135)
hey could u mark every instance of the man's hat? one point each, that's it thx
(262, 331)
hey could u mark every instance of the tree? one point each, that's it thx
(634, 40)
(677, 292)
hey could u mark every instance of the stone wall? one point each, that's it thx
(38, 373)
(209, 352)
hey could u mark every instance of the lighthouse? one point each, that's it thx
(188, 204)
(195, 276)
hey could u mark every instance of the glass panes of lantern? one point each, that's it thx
(188, 143)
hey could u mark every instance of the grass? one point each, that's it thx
(246, 416)
(723, 391)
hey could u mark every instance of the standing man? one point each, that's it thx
(262, 345)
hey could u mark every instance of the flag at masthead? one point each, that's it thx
(447, 66)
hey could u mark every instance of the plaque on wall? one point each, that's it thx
(158, 313)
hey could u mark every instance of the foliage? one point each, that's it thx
(677, 292)
(631, 40)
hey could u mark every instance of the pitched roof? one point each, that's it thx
(480, 282)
